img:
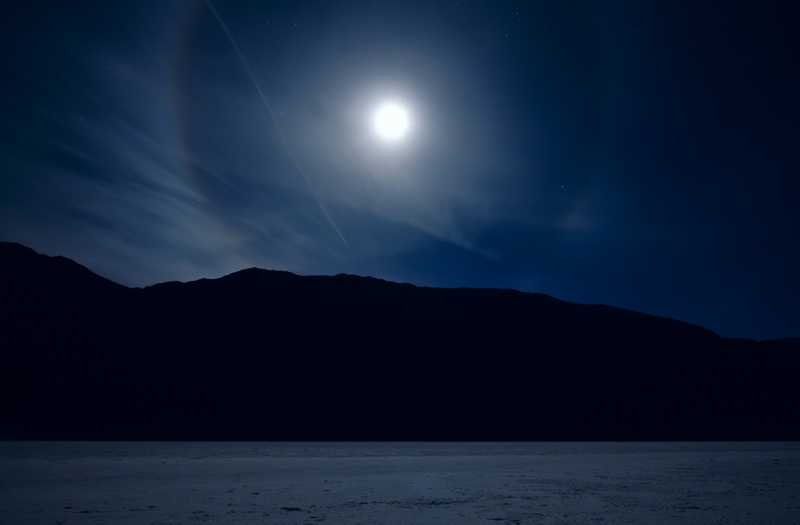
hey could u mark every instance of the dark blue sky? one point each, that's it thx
(639, 154)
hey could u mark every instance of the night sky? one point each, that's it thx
(644, 155)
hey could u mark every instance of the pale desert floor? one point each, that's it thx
(399, 483)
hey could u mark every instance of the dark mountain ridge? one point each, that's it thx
(262, 354)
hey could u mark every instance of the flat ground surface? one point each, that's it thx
(399, 483)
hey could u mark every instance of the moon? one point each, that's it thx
(391, 121)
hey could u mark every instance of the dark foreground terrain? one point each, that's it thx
(393, 483)
(266, 355)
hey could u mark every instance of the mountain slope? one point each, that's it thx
(262, 354)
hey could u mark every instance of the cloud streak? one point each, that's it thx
(275, 122)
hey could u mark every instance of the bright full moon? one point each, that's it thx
(391, 121)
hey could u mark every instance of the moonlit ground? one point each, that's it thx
(354, 483)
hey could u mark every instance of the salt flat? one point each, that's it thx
(399, 483)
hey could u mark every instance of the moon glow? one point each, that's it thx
(391, 122)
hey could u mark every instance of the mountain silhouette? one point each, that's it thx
(269, 355)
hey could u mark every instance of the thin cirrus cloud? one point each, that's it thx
(550, 149)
